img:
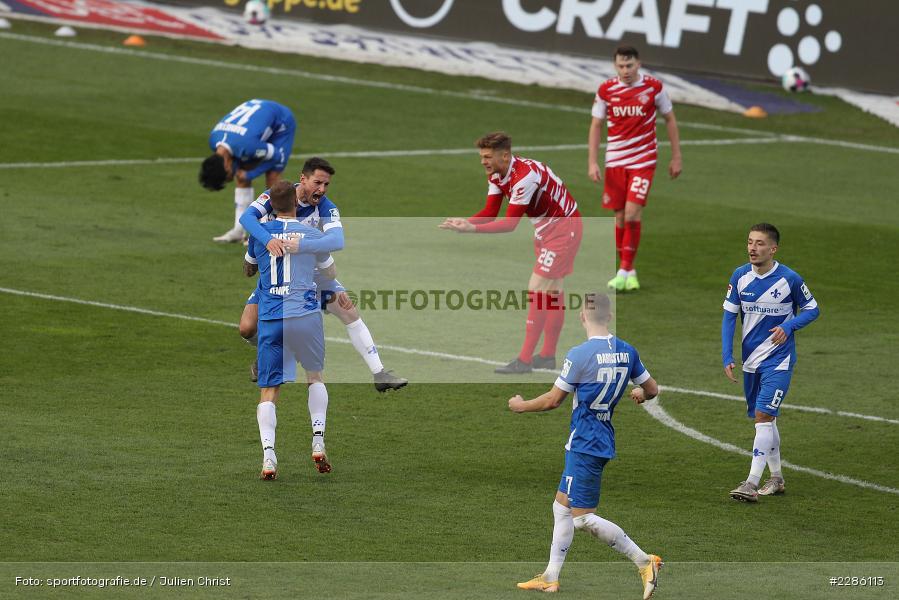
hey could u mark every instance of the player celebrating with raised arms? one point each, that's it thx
(254, 138)
(290, 323)
(629, 104)
(768, 296)
(536, 192)
(597, 372)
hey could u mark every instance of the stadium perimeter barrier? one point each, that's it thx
(756, 39)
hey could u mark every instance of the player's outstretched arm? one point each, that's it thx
(548, 401)
(458, 225)
(249, 220)
(330, 241)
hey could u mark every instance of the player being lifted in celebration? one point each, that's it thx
(629, 104)
(254, 138)
(536, 192)
(768, 297)
(597, 372)
(290, 322)
(315, 209)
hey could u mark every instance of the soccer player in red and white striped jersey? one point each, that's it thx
(629, 103)
(534, 191)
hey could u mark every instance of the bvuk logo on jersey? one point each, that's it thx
(566, 366)
(335, 214)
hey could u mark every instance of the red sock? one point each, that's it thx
(555, 318)
(619, 240)
(629, 244)
(534, 325)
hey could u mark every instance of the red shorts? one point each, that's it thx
(557, 246)
(626, 185)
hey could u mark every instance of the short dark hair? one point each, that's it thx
(495, 140)
(626, 52)
(317, 164)
(769, 230)
(598, 307)
(283, 197)
(213, 173)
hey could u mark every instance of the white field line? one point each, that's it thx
(218, 64)
(431, 353)
(811, 409)
(365, 154)
(658, 413)
(652, 407)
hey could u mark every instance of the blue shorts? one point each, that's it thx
(582, 479)
(284, 342)
(283, 143)
(327, 289)
(765, 391)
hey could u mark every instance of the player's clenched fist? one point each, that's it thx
(516, 404)
(637, 395)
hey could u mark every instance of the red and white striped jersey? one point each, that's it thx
(533, 190)
(630, 111)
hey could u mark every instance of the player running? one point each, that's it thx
(629, 103)
(768, 296)
(597, 372)
(316, 210)
(254, 138)
(534, 191)
(290, 323)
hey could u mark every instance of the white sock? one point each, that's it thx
(614, 536)
(318, 407)
(622, 272)
(563, 533)
(632, 273)
(365, 345)
(761, 447)
(265, 416)
(243, 197)
(774, 454)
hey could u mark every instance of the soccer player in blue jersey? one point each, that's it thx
(597, 372)
(290, 323)
(314, 208)
(253, 139)
(773, 303)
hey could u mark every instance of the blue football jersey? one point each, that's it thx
(247, 130)
(597, 372)
(286, 284)
(764, 302)
(322, 216)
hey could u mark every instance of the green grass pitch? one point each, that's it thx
(128, 441)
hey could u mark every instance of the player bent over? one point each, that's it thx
(254, 138)
(768, 296)
(533, 190)
(290, 323)
(628, 103)
(315, 209)
(597, 372)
